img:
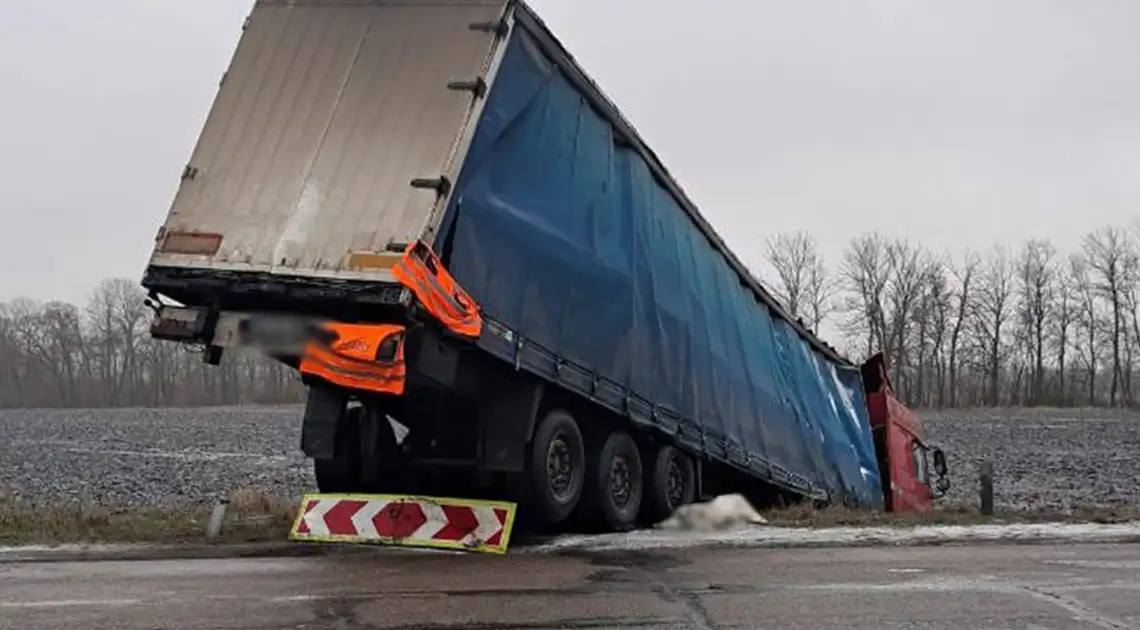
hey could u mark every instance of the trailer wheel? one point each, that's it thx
(557, 466)
(348, 471)
(671, 482)
(615, 484)
(343, 473)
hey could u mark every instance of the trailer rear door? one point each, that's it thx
(329, 110)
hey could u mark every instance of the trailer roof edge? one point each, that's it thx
(609, 110)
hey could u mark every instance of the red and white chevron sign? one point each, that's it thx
(462, 524)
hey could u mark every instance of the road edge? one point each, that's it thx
(183, 551)
(872, 537)
(1127, 539)
(856, 537)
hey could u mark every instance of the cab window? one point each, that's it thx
(921, 469)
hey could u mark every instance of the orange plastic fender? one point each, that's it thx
(369, 357)
(422, 272)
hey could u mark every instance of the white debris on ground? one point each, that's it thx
(723, 512)
(761, 536)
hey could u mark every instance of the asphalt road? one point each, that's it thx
(983, 587)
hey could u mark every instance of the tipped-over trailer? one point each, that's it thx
(493, 287)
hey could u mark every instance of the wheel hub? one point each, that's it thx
(621, 485)
(676, 483)
(559, 468)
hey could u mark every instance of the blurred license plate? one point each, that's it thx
(275, 334)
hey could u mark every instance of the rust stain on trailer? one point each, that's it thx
(190, 243)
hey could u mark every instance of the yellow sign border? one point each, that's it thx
(500, 549)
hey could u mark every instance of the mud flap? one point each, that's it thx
(407, 521)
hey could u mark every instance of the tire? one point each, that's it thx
(614, 483)
(343, 472)
(346, 471)
(555, 497)
(670, 481)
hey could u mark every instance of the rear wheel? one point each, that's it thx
(670, 481)
(349, 470)
(342, 473)
(557, 458)
(614, 482)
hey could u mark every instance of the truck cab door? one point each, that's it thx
(909, 488)
(921, 478)
(913, 474)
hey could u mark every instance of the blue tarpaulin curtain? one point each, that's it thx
(561, 232)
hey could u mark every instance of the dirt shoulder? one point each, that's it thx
(251, 517)
(801, 516)
(255, 517)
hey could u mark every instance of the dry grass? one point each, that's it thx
(252, 516)
(807, 516)
(255, 516)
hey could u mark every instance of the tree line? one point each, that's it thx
(1022, 326)
(1012, 326)
(101, 354)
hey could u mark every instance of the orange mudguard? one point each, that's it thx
(422, 272)
(369, 357)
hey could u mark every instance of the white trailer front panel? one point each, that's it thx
(329, 110)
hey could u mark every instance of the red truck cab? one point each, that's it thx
(906, 462)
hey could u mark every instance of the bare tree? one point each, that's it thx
(1107, 255)
(1036, 285)
(56, 354)
(864, 273)
(117, 317)
(1086, 322)
(806, 287)
(1065, 300)
(1130, 312)
(992, 306)
(965, 275)
(1132, 295)
(908, 267)
(925, 337)
(13, 369)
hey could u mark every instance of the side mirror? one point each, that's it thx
(940, 466)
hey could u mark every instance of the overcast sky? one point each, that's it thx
(955, 123)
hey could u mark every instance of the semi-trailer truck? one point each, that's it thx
(492, 287)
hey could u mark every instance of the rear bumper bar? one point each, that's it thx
(257, 291)
(270, 332)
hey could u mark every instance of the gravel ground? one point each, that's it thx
(133, 457)
(1043, 458)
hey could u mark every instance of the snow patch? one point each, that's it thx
(847, 536)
